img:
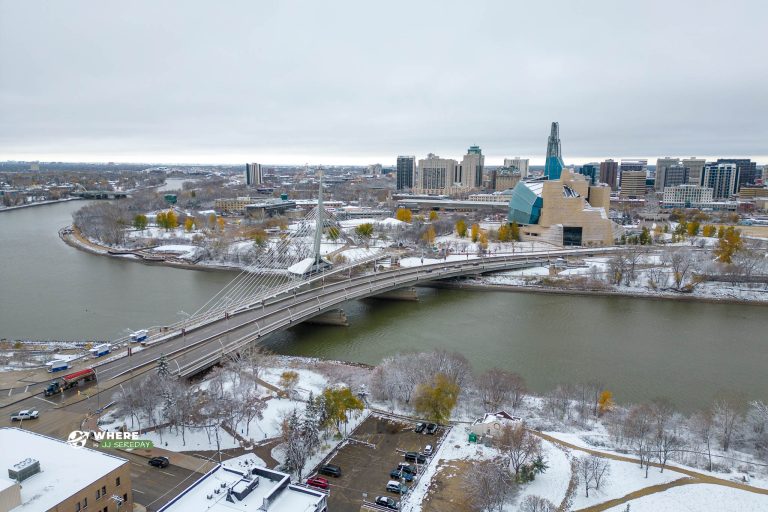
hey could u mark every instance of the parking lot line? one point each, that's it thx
(138, 491)
(166, 473)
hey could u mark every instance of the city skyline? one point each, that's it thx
(351, 84)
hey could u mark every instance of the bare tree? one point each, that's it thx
(681, 263)
(534, 503)
(638, 429)
(519, 445)
(726, 418)
(498, 387)
(488, 485)
(593, 472)
(703, 426)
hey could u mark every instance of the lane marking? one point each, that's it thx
(169, 474)
(44, 400)
(138, 491)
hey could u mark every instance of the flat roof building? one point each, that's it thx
(240, 484)
(42, 474)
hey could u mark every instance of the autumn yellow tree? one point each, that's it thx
(429, 235)
(160, 219)
(288, 381)
(692, 228)
(461, 228)
(728, 245)
(605, 402)
(475, 232)
(221, 223)
(483, 240)
(212, 221)
(709, 231)
(514, 231)
(140, 222)
(189, 224)
(433, 216)
(339, 402)
(171, 220)
(403, 215)
(435, 401)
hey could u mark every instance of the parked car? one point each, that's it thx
(159, 462)
(395, 486)
(318, 481)
(330, 470)
(427, 450)
(25, 415)
(420, 428)
(386, 501)
(432, 429)
(415, 457)
(404, 466)
(398, 473)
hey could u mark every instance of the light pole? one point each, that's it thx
(186, 316)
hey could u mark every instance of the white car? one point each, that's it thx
(25, 415)
(427, 450)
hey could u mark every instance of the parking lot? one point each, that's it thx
(367, 460)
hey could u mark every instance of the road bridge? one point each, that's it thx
(202, 345)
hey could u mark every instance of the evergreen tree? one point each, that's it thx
(162, 367)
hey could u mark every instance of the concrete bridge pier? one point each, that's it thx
(408, 294)
(332, 317)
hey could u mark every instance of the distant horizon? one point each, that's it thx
(490, 160)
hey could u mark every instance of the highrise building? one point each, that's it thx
(632, 177)
(405, 170)
(609, 173)
(470, 172)
(591, 170)
(553, 165)
(253, 175)
(722, 178)
(435, 174)
(673, 176)
(695, 169)
(517, 164)
(746, 170)
(662, 164)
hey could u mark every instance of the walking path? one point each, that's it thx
(693, 477)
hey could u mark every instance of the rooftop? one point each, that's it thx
(56, 479)
(273, 493)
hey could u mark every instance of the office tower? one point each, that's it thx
(435, 174)
(553, 165)
(592, 170)
(517, 164)
(695, 168)
(405, 171)
(661, 169)
(746, 170)
(722, 178)
(470, 173)
(632, 177)
(609, 173)
(253, 175)
(673, 176)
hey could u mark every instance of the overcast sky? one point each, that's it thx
(361, 82)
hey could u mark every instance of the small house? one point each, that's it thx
(492, 423)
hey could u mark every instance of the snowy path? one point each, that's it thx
(694, 477)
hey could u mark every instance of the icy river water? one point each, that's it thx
(641, 349)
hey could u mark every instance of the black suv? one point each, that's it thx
(159, 462)
(386, 501)
(330, 470)
(432, 428)
(420, 428)
(415, 457)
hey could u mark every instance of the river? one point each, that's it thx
(641, 349)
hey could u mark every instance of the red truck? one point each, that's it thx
(70, 381)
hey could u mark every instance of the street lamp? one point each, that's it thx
(186, 316)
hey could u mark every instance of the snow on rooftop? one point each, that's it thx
(56, 479)
(231, 475)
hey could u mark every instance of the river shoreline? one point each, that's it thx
(40, 203)
(71, 239)
(599, 293)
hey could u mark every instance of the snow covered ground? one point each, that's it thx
(698, 498)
